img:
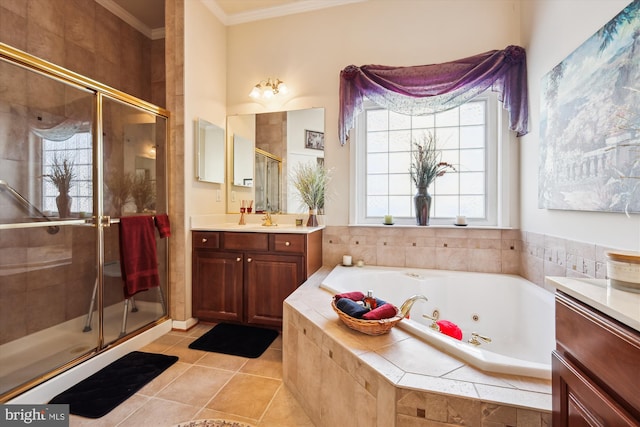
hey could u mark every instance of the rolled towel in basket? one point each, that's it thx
(353, 296)
(351, 308)
(384, 311)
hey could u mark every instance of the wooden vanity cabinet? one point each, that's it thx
(595, 368)
(245, 277)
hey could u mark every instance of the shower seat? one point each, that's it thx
(112, 269)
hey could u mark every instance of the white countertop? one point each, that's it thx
(229, 222)
(621, 305)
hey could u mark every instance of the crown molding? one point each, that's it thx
(273, 12)
(116, 9)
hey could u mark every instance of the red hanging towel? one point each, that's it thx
(138, 257)
(163, 226)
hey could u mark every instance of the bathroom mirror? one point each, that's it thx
(242, 161)
(290, 137)
(210, 153)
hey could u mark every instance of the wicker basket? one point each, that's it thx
(369, 327)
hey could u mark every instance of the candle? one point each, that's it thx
(346, 260)
(461, 220)
(388, 219)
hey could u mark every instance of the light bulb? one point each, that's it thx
(268, 92)
(282, 88)
(255, 92)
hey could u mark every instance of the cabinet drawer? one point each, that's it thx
(291, 243)
(206, 239)
(245, 241)
(604, 348)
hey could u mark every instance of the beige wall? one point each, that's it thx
(308, 51)
(550, 32)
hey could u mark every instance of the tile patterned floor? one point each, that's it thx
(203, 385)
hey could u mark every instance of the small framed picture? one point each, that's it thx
(314, 140)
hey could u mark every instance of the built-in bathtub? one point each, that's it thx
(515, 314)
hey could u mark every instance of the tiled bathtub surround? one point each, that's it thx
(530, 255)
(342, 376)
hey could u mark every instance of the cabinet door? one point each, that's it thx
(269, 280)
(217, 285)
(578, 401)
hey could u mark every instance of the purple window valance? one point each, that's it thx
(433, 88)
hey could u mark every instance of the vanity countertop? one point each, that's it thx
(257, 228)
(229, 222)
(623, 306)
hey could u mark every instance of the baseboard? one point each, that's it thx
(184, 325)
(44, 392)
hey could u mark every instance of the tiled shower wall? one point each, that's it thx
(530, 255)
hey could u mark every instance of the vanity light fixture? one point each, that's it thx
(268, 88)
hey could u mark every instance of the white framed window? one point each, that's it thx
(470, 137)
(77, 149)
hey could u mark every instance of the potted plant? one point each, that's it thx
(61, 176)
(119, 185)
(142, 191)
(425, 167)
(311, 179)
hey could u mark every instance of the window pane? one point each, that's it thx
(399, 162)
(472, 183)
(472, 113)
(377, 142)
(448, 118)
(377, 184)
(377, 120)
(399, 121)
(447, 138)
(400, 206)
(376, 205)
(400, 184)
(400, 140)
(423, 122)
(472, 137)
(445, 207)
(448, 183)
(472, 160)
(472, 206)
(378, 163)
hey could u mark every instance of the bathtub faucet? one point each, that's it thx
(434, 322)
(406, 306)
(474, 338)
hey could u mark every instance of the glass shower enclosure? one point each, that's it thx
(75, 158)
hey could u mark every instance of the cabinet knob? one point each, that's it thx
(238, 259)
(204, 240)
(287, 243)
(249, 259)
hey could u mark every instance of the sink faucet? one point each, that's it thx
(266, 219)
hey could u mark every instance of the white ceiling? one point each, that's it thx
(148, 15)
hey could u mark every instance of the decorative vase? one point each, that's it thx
(422, 201)
(63, 202)
(313, 218)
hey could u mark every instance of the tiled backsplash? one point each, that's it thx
(530, 255)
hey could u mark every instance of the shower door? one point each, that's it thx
(63, 142)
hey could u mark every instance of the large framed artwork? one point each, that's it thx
(590, 122)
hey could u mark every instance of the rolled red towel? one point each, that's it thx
(450, 328)
(354, 296)
(385, 311)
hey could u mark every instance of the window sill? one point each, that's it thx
(438, 226)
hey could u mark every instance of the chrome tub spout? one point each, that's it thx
(406, 306)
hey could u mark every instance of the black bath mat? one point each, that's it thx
(238, 340)
(98, 394)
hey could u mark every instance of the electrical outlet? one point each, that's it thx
(233, 196)
(218, 196)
